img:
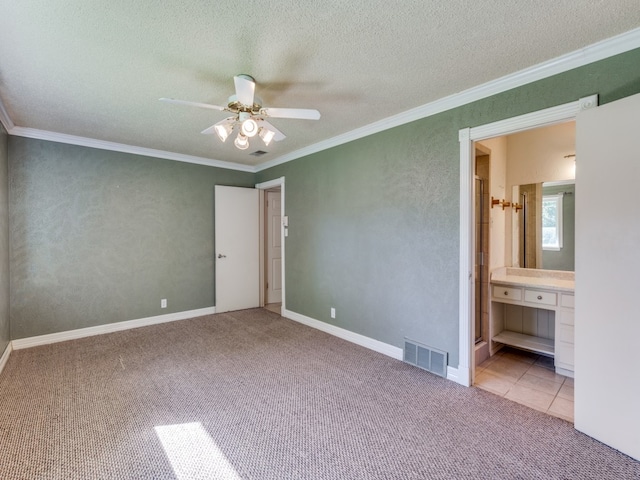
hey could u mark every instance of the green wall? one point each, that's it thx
(374, 224)
(100, 237)
(4, 241)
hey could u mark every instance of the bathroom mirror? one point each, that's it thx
(543, 225)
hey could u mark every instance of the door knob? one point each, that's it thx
(221, 256)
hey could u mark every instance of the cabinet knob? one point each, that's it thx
(506, 292)
(539, 297)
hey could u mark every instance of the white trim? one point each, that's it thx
(121, 147)
(279, 182)
(276, 182)
(454, 375)
(392, 351)
(549, 116)
(467, 256)
(349, 336)
(5, 119)
(564, 372)
(5, 356)
(108, 328)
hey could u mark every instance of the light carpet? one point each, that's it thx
(251, 395)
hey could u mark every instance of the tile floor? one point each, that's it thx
(529, 379)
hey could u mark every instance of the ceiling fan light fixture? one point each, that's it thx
(249, 127)
(266, 135)
(223, 130)
(248, 114)
(241, 142)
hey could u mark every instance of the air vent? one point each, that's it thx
(258, 153)
(427, 358)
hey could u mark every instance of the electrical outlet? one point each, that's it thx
(333, 312)
(163, 303)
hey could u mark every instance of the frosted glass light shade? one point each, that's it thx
(241, 141)
(266, 135)
(223, 130)
(249, 127)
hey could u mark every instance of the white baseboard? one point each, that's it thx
(108, 328)
(453, 374)
(370, 343)
(565, 372)
(5, 357)
(459, 375)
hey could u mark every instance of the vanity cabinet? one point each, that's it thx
(564, 334)
(534, 314)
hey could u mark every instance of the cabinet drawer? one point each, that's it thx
(567, 317)
(565, 334)
(507, 293)
(544, 298)
(566, 300)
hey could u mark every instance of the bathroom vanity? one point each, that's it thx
(533, 310)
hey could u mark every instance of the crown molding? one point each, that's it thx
(5, 119)
(121, 147)
(578, 58)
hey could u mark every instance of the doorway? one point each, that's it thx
(562, 113)
(526, 163)
(273, 231)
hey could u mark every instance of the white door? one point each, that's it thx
(237, 248)
(607, 323)
(274, 247)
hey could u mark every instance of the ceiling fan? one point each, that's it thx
(248, 115)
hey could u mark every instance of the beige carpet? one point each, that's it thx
(250, 395)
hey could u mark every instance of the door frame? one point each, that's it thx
(263, 187)
(467, 137)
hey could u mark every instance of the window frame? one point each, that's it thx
(558, 199)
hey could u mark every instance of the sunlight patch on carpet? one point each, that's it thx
(193, 453)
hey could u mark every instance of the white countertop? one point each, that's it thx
(536, 278)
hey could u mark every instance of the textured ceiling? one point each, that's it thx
(96, 69)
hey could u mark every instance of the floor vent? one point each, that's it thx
(427, 358)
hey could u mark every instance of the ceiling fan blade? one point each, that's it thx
(278, 134)
(209, 131)
(245, 89)
(301, 113)
(192, 104)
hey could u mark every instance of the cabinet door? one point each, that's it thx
(564, 355)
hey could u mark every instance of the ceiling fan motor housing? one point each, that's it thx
(235, 106)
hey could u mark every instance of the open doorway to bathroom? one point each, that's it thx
(509, 233)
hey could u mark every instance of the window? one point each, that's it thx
(552, 222)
